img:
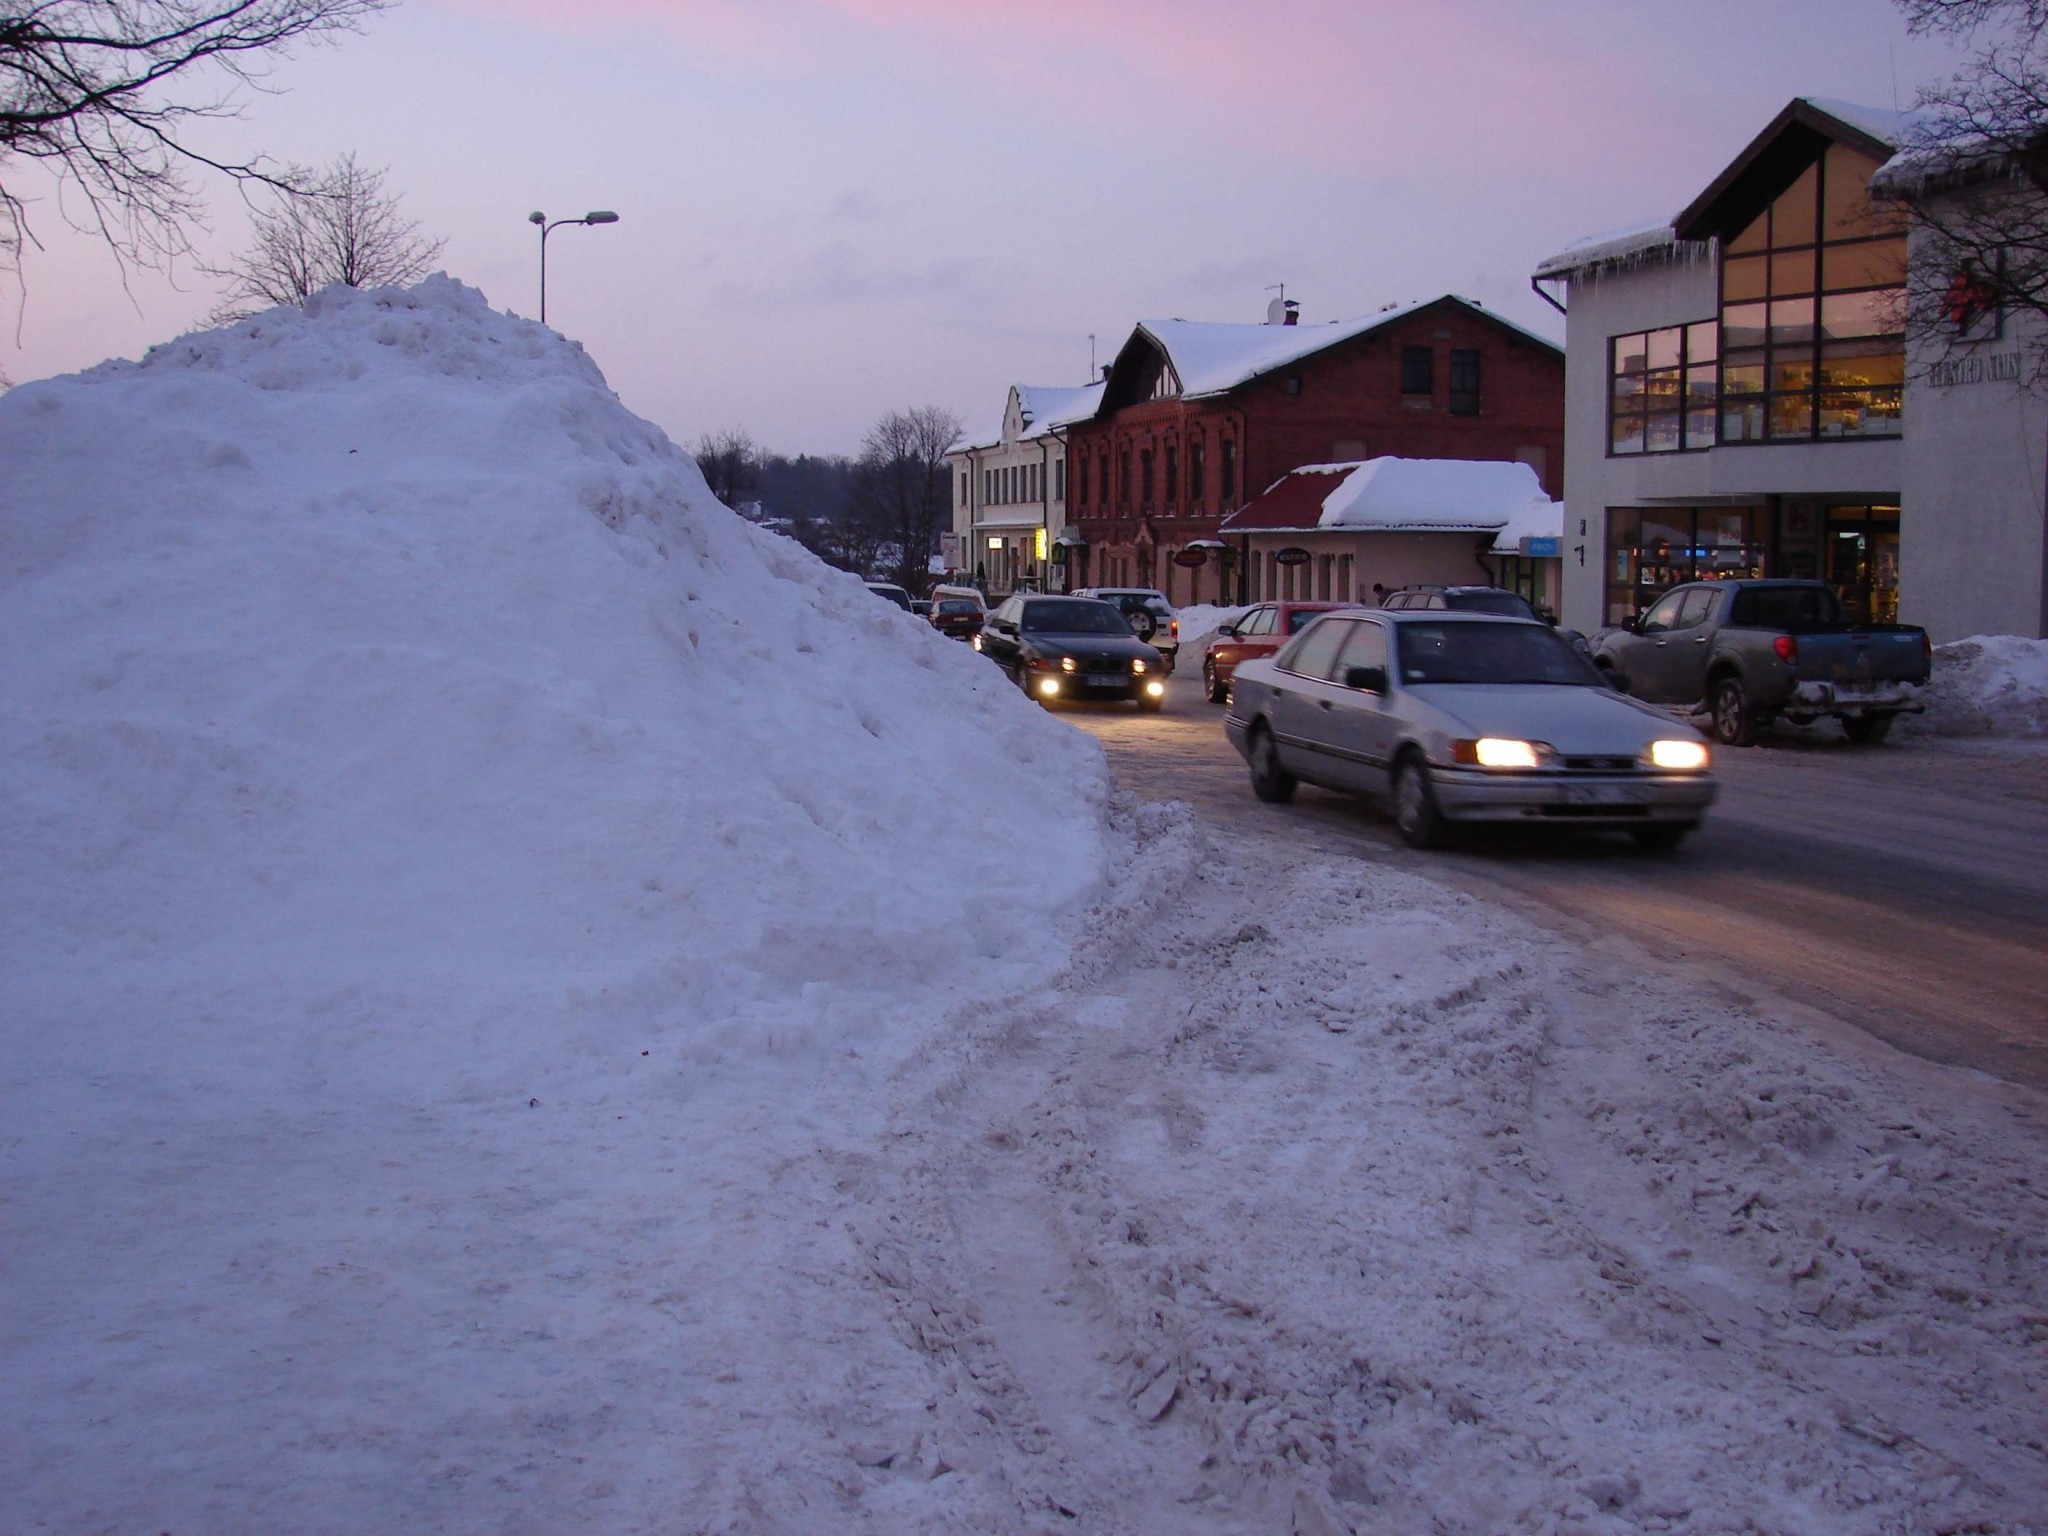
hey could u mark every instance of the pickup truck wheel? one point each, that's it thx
(1217, 690)
(1735, 723)
(1270, 782)
(1867, 730)
(1662, 836)
(1416, 816)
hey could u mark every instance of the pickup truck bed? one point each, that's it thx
(1750, 652)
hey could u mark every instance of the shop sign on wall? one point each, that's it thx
(1984, 368)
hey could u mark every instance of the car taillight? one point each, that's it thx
(1926, 648)
(1787, 649)
(1173, 628)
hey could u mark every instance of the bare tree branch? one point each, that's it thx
(104, 90)
(731, 463)
(902, 484)
(339, 226)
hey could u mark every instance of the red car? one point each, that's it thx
(1260, 632)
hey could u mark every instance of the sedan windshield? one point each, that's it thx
(1074, 617)
(1491, 653)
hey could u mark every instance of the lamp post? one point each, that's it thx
(599, 216)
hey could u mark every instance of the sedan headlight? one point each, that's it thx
(1138, 665)
(1067, 664)
(1685, 756)
(1496, 752)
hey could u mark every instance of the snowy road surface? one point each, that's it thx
(1904, 889)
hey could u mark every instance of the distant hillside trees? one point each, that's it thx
(904, 489)
(336, 225)
(105, 93)
(731, 464)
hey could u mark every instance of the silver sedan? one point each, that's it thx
(1452, 717)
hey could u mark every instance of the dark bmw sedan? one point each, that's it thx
(1072, 648)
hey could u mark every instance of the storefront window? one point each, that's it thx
(1813, 312)
(1653, 549)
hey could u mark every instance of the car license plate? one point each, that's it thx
(1605, 794)
(1108, 682)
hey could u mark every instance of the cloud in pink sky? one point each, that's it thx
(1341, 85)
(831, 207)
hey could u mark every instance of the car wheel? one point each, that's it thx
(1416, 816)
(1217, 690)
(1867, 730)
(1662, 836)
(1270, 782)
(1735, 722)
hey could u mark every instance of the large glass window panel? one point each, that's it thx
(1745, 277)
(1792, 272)
(1744, 325)
(1660, 389)
(1702, 340)
(1791, 374)
(1628, 392)
(1742, 373)
(1754, 238)
(1869, 264)
(1663, 347)
(1849, 212)
(1628, 435)
(1791, 322)
(1859, 412)
(1791, 416)
(1742, 421)
(1795, 216)
(1661, 433)
(1875, 312)
(1631, 353)
(1699, 386)
(1875, 360)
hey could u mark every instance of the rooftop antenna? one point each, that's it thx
(1091, 357)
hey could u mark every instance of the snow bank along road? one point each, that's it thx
(1903, 889)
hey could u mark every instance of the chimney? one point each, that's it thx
(1105, 373)
(1293, 313)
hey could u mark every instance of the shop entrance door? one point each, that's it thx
(1862, 562)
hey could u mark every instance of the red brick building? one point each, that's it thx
(1200, 417)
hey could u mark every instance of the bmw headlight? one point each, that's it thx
(1138, 665)
(1681, 756)
(1067, 664)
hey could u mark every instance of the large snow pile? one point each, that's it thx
(1988, 685)
(448, 856)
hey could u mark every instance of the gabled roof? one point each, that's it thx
(1046, 407)
(1211, 358)
(1776, 156)
(1042, 407)
(1403, 495)
(1789, 141)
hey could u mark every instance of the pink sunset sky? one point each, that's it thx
(830, 208)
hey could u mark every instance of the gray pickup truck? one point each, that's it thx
(1750, 652)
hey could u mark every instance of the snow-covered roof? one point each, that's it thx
(1046, 407)
(1405, 495)
(1634, 243)
(1889, 127)
(1212, 357)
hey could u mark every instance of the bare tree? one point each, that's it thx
(1975, 176)
(104, 91)
(903, 485)
(731, 462)
(338, 226)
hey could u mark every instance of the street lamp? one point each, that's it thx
(600, 216)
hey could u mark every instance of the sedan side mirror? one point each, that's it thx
(1227, 629)
(1368, 679)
